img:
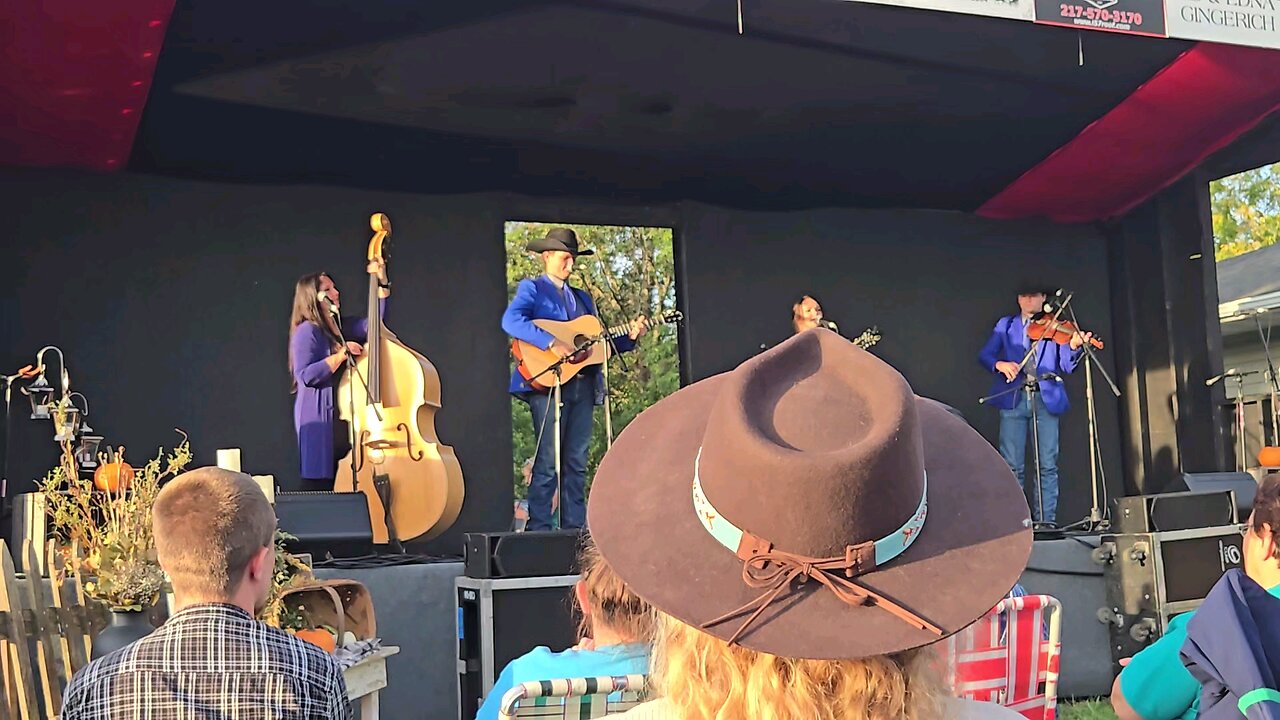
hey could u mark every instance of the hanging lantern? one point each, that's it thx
(66, 422)
(41, 395)
(87, 452)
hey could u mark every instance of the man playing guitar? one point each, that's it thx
(550, 297)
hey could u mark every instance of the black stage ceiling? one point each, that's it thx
(638, 100)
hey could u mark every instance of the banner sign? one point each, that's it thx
(1253, 23)
(1134, 17)
(1234, 22)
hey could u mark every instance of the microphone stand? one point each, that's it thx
(351, 389)
(1274, 382)
(554, 400)
(1097, 519)
(1240, 439)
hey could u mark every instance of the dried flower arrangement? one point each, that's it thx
(109, 520)
(289, 572)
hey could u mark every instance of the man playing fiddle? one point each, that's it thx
(1041, 391)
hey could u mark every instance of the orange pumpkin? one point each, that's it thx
(1269, 457)
(319, 637)
(113, 477)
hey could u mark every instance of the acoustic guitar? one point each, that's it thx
(584, 333)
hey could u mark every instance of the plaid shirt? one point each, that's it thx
(211, 662)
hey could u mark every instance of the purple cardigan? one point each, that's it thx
(313, 407)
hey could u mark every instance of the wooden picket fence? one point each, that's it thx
(46, 631)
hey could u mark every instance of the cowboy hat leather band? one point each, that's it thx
(775, 570)
(730, 535)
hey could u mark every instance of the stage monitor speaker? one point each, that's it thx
(1150, 577)
(534, 553)
(500, 620)
(326, 524)
(1167, 512)
(1243, 484)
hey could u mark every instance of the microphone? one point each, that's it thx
(323, 298)
(1233, 372)
(824, 323)
(1051, 376)
(1053, 301)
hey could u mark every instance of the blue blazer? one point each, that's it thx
(539, 299)
(1008, 342)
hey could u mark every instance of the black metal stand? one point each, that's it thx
(1273, 381)
(1098, 518)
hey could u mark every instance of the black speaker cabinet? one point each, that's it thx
(1150, 577)
(326, 524)
(500, 620)
(535, 553)
(1166, 512)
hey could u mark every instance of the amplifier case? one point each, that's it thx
(1152, 577)
(501, 619)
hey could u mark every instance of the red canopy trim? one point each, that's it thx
(74, 78)
(1196, 105)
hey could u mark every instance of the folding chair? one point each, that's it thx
(573, 698)
(1004, 657)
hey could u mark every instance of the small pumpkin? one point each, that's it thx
(1269, 457)
(113, 476)
(319, 637)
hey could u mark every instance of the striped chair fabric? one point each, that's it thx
(573, 698)
(1017, 667)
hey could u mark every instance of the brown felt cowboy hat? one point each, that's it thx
(813, 483)
(558, 239)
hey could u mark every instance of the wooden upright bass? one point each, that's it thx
(413, 482)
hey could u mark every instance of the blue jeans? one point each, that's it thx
(577, 401)
(1015, 424)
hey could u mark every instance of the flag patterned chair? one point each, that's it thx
(573, 698)
(1010, 656)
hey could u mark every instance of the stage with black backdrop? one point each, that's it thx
(171, 299)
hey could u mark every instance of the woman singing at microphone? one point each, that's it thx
(806, 314)
(317, 357)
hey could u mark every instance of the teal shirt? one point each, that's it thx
(542, 664)
(1156, 684)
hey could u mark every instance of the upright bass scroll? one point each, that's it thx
(413, 482)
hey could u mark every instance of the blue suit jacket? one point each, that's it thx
(1008, 342)
(539, 299)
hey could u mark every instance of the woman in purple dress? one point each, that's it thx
(317, 358)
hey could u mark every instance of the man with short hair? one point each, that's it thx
(1156, 684)
(215, 534)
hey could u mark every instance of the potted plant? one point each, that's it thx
(106, 522)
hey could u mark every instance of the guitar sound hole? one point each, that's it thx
(581, 355)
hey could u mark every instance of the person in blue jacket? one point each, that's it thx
(1040, 390)
(551, 297)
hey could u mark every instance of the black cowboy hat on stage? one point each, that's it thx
(808, 504)
(558, 239)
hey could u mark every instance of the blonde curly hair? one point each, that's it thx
(705, 678)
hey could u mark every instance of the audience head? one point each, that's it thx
(215, 533)
(1261, 542)
(806, 526)
(606, 603)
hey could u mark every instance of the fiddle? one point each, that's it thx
(1044, 327)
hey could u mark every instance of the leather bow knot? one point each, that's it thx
(776, 570)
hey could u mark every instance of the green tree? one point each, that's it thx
(639, 264)
(1246, 211)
